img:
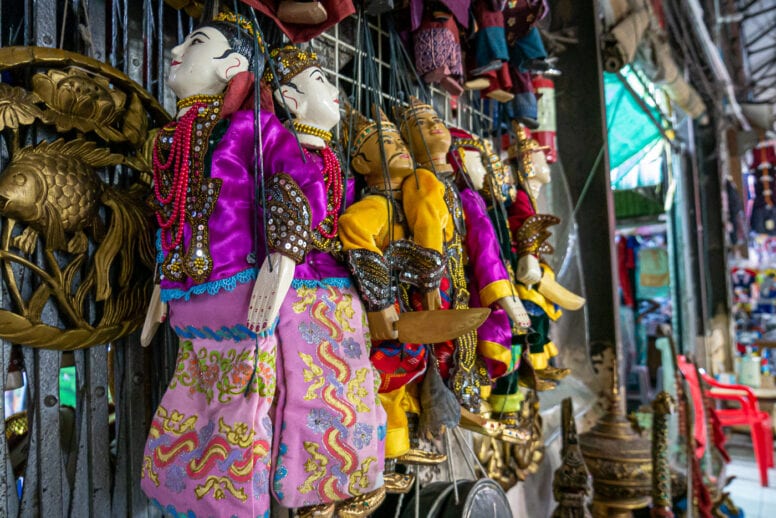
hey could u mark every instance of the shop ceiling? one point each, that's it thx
(756, 67)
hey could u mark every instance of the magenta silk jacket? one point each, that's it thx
(234, 220)
(484, 268)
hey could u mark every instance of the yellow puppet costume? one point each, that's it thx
(382, 234)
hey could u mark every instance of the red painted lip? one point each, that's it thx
(336, 101)
(175, 63)
(437, 132)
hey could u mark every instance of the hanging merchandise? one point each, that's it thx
(541, 294)
(437, 47)
(763, 217)
(472, 247)
(491, 54)
(526, 55)
(219, 405)
(744, 282)
(395, 251)
(320, 340)
(458, 8)
(653, 273)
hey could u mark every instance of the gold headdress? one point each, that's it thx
(244, 23)
(364, 128)
(523, 149)
(288, 62)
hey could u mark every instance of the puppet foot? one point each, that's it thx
(500, 95)
(480, 424)
(421, 457)
(303, 13)
(436, 75)
(398, 483)
(361, 505)
(553, 373)
(452, 86)
(493, 65)
(478, 83)
(542, 385)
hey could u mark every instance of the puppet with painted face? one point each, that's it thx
(381, 236)
(326, 401)
(541, 294)
(209, 448)
(493, 345)
(472, 255)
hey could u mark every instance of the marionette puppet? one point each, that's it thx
(437, 47)
(326, 404)
(385, 238)
(209, 448)
(490, 51)
(471, 246)
(211, 439)
(541, 294)
(493, 339)
(499, 343)
(527, 55)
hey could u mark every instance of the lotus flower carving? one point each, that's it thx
(17, 107)
(81, 101)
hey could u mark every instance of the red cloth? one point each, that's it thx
(337, 11)
(520, 210)
(239, 95)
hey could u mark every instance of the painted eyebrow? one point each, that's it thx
(200, 33)
(316, 71)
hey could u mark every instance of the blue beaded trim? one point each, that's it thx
(236, 333)
(212, 287)
(159, 253)
(337, 282)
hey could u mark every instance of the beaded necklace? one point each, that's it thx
(182, 191)
(325, 234)
(312, 130)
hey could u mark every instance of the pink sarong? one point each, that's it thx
(208, 450)
(329, 424)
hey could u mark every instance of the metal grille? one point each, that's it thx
(99, 473)
(336, 49)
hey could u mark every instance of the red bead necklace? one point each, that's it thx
(332, 177)
(179, 157)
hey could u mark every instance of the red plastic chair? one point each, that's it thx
(748, 414)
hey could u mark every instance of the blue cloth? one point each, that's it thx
(527, 48)
(491, 46)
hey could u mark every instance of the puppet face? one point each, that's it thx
(427, 127)
(312, 98)
(368, 163)
(541, 170)
(472, 163)
(203, 64)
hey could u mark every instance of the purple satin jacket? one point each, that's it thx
(484, 266)
(231, 225)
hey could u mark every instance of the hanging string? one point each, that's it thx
(370, 99)
(588, 182)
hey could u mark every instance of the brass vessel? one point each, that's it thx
(619, 459)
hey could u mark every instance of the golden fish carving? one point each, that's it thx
(52, 188)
